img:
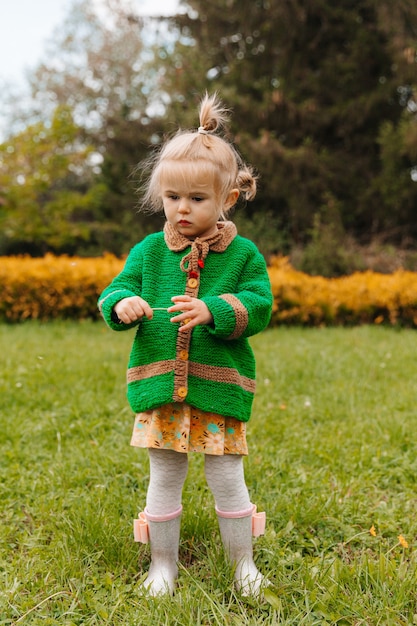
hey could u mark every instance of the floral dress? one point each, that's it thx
(183, 428)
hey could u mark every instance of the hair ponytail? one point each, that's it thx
(246, 182)
(212, 114)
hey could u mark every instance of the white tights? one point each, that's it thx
(168, 470)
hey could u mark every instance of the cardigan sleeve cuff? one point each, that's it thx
(106, 305)
(230, 317)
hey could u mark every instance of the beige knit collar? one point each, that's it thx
(226, 232)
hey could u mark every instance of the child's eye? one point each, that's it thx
(198, 199)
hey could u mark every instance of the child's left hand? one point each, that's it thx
(194, 312)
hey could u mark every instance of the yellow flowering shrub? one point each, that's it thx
(68, 287)
(53, 286)
(361, 298)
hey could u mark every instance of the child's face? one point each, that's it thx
(192, 205)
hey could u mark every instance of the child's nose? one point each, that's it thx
(183, 205)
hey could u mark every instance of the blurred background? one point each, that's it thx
(323, 97)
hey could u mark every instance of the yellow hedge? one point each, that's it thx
(67, 288)
(53, 287)
(361, 298)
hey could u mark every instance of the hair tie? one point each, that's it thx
(202, 130)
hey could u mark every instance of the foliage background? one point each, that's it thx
(323, 101)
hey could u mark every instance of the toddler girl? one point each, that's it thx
(195, 293)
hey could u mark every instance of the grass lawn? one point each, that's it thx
(333, 461)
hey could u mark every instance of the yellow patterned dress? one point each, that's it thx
(181, 427)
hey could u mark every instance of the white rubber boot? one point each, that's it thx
(236, 532)
(164, 537)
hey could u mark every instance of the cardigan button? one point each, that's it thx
(183, 355)
(192, 283)
(182, 392)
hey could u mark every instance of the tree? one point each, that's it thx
(312, 84)
(45, 196)
(98, 67)
(323, 99)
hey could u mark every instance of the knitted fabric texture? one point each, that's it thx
(212, 367)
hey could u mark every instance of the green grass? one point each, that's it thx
(332, 453)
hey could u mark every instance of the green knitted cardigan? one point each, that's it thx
(211, 367)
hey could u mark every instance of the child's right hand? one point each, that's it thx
(131, 309)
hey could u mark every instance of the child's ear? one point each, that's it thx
(231, 199)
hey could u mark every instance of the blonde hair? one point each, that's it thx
(203, 151)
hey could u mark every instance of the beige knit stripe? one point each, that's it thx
(208, 372)
(183, 344)
(217, 374)
(181, 367)
(241, 315)
(147, 371)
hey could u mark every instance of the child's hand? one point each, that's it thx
(194, 312)
(132, 309)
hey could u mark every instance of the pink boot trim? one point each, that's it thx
(163, 518)
(140, 529)
(140, 525)
(236, 514)
(258, 522)
(258, 519)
